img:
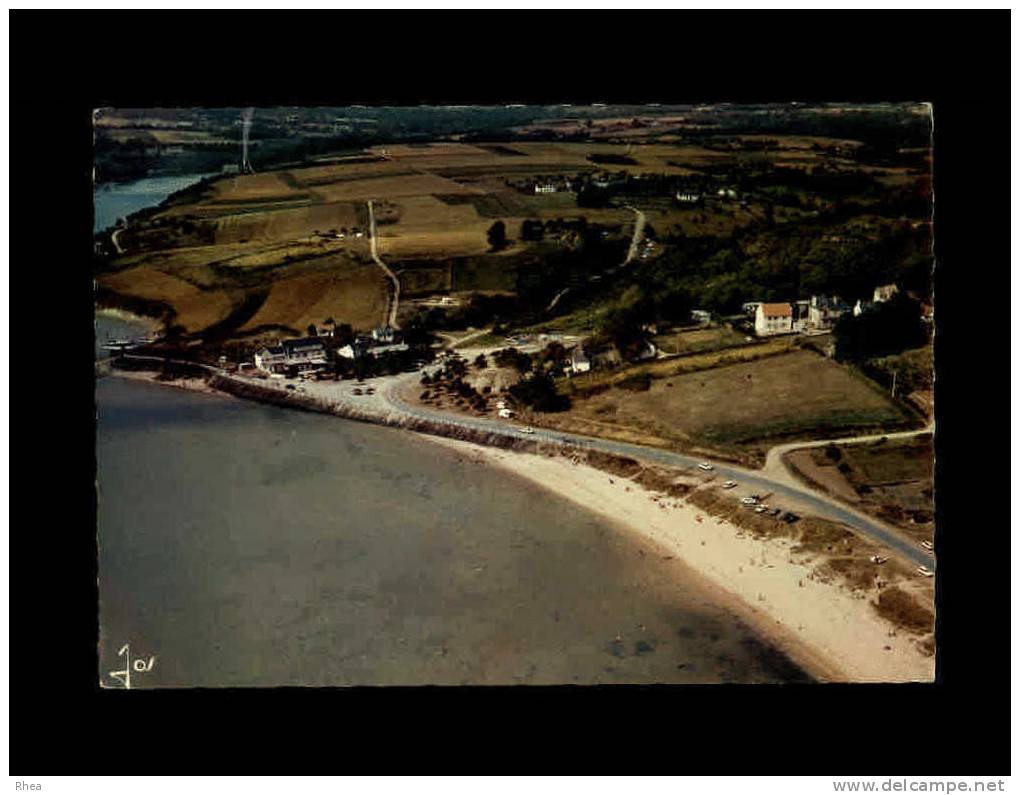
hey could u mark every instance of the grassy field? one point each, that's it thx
(196, 309)
(700, 340)
(426, 225)
(737, 410)
(354, 294)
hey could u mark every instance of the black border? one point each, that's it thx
(65, 63)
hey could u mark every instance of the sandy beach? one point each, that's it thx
(824, 627)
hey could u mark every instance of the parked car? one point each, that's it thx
(879, 559)
(729, 484)
(705, 466)
(290, 386)
(357, 391)
(529, 429)
(749, 501)
(924, 571)
(927, 545)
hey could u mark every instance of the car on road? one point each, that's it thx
(370, 390)
(705, 466)
(529, 429)
(356, 391)
(729, 484)
(927, 545)
(924, 571)
(749, 501)
(290, 386)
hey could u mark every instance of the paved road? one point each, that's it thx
(387, 403)
(395, 298)
(820, 504)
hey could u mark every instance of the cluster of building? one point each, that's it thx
(543, 184)
(309, 353)
(382, 340)
(819, 313)
(581, 362)
(303, 354)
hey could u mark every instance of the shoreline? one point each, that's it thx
(831, 632)
(758, 580)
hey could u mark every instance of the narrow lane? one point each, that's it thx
(391, 318)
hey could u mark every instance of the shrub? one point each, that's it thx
(639, 382)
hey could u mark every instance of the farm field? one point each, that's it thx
(737, 410)
(195, 308)
(259, 232)
(349, 293)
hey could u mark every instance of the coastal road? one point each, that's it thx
(387, 405)
(820, 504)
(391, 319)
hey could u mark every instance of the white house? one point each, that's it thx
(270, 360)
(579, 362)
(301, 353)
(648, 351)
(773, 319)
(801, 315)
(305, 352)
(884, 293)
(383, 334)
(862, 306)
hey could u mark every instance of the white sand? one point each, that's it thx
(830, 631)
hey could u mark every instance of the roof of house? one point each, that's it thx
(306, 342)
(777, 310)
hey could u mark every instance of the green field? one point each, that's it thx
(737, 409)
